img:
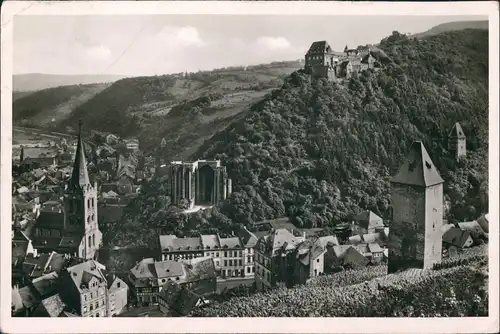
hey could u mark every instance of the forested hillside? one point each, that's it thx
(319, 152)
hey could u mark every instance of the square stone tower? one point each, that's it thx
(457, 142)
(415, 238)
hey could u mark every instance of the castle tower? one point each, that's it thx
(415, 238)
(457, 142)
(80, 206)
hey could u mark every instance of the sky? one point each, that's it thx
(137, 45)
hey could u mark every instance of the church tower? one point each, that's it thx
(415, 238)
(457, 142)
(80, 206)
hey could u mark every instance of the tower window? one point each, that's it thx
(89, 241)
(93, 239)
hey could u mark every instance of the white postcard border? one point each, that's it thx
(243, 325)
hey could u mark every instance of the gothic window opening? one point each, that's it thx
(93, 239)
(89, 241)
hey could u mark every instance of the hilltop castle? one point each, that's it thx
(417, 202)
(322, 62)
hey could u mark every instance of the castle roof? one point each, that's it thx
(418, 168)
(79, 176)
(456, 132)
(319, 47)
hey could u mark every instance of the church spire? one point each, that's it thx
(80, 176)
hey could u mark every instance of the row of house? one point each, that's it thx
(232, 256)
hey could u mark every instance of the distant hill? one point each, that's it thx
(48, 107)
(18, 95)
(452, 26)
(37, 81)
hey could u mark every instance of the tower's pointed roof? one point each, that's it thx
(456, 131)
(80, 176)
(418, 168)
(319, 47)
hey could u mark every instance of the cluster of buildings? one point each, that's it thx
(321, 61)
(56, 239)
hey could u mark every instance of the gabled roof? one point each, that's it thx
(355, 240)
(353, 256)
(375, 248)
(248, 238)
(418, 168)
(83, 273)
(165, 269)
(210, 241)
(329, 240)
(368, 219)
(319, 47)
(457, 132)
(232, 242)
(456, 237)
(308, 250)
(283, 238)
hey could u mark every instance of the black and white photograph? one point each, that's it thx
(205, 161)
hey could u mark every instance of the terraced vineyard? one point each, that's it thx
(369, 292)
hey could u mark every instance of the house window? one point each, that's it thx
(118, 284)
(248, 270)
(85, 308)
(217, 254)
(225, 263)
(317, 260)
(91, 307)
(240, 262)
(253, 269)
(230, 262)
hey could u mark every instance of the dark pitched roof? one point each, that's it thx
(418, 168)
(457, 132)
(79, 176)
(179, 299)
(353, 256)
(368, 219)
(319, 47)
(50, 220)
(456, 237)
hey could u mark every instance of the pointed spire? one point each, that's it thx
(346, 48)
(418, 168)
(457, 132)
(21, 155)
(80, 176)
